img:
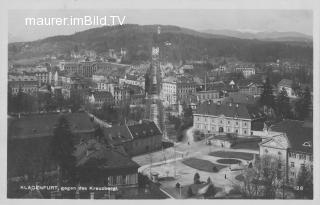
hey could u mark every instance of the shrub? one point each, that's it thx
(190, 193)
(196, 178)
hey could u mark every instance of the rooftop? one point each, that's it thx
(95, 154)
(285, 82)
(297, 133)
(236, 110)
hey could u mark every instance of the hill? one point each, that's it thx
(185, 44)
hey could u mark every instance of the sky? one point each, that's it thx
(252, 20)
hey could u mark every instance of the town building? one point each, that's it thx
(73, 83)
(212, 95)
(228, 117)
(107, 166)
(250, 88)
(246, 71)
(177, 88)
(133, 80)
(288, 86)
(99, 98)
(292, 141)
(24, 83)
(88, 68)
(136, 139)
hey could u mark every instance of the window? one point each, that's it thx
(266, 151)
(302, 156)
(245, 131)
(228, 122)
(292, 164)
(237, 123)
(292, 173)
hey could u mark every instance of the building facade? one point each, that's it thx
(292, 142)
(225, 118)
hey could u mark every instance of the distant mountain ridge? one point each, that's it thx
(265, 35)
(186, 44)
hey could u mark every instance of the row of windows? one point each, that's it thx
(300, 156)
(221, 129)
(229, 122)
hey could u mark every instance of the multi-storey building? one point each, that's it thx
(73, 83)
(212, 95)
(87, 68)
(246, 71)
(99, 98)
(169, 90)
(250, 88)
(228, 117)
(41, 73)
(25, 83)
(133, 80)
(293, 144)
(176, 89)
(136, 139)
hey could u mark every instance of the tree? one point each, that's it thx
(211, 192)
(265, 180)
(283, 104)
(62, 149)
(267, 97)
(196, 178)
(302, 106)
(305, 183)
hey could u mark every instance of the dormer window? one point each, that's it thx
(306, 144)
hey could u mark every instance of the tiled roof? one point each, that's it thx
(285, 82)
(297, 134)
(102, 94)
(145, 129)
(95, 154)
(117, 134)
(239, 98)
(230, 110)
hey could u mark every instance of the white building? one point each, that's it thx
(288, 86)
(293, 144)
(226, 118)
(246, 71)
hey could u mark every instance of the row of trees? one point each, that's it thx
(22, 102)
(281, 105)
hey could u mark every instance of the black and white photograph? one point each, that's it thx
(152, 103)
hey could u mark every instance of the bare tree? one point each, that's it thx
(266, 179)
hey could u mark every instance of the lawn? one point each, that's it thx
(203, 165)
(226, 154)
(247, 145)
(228, 161)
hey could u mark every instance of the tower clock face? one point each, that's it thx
(155, 51)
